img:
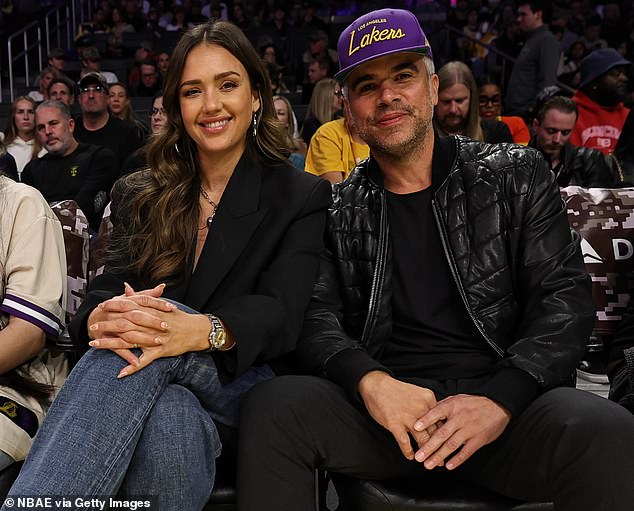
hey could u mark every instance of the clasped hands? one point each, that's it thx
(143, 320)
(446, 432)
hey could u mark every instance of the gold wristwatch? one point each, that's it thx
(217, 335)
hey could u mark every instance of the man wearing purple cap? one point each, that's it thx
(451, 308)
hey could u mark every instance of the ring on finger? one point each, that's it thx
(135, 345)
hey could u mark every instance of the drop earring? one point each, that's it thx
(255, 125)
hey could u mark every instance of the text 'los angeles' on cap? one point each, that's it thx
(379, 33)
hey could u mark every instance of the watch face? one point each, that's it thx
(219, 339)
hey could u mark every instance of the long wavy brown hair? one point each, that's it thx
(163, 213)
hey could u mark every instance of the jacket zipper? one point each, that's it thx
(379, 273)
(461, 291)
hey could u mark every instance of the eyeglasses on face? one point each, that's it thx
(494, 100)
(157, 111)
(92, 88)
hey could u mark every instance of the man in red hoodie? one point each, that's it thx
(602, 89)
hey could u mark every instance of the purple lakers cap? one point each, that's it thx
(379, 33)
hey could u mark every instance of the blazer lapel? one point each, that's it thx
(236, 220)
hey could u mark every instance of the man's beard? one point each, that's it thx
(400, 150)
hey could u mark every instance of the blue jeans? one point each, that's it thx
(151, 433)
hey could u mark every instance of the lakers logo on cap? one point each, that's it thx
(375, 36)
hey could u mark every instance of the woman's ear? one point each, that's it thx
(257, 104)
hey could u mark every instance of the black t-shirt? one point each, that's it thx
(119, 136)
(80, 176)
(432, 335)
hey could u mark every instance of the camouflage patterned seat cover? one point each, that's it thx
(605, 220)
(77, 244)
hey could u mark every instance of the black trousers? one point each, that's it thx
(569, 446)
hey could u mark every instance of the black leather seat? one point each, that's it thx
(411, 495)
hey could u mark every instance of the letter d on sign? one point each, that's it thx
(619, 244)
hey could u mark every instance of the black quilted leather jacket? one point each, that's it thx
(583, 166)
(515, 261)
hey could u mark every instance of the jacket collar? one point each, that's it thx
(443, 160)
(238, 216)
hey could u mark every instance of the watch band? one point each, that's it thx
(217, 337)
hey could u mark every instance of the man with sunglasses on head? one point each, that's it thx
(572, 165)
(97, 126)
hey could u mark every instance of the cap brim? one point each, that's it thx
(342, 74)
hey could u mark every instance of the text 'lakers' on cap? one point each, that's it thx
(379, 33)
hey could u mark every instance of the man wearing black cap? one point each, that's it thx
(97, 126)
(91, 60)
(451, 308)
(600, 96)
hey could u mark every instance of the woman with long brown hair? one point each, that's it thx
(224, 236)
(20, 139)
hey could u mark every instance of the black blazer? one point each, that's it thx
(257, 267)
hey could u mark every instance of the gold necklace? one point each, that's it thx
(210, 218)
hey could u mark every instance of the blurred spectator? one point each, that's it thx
(81, 42)
(163, 62)
(153, 23)
(143, 52)
(91, 60)
(318, 69)
(268, 51)
(57, 59)
(62, 89)
(158, 121)
(490, 101)
(568, 71)
(457, 111)
(571, 165)
(576, 22)
(280, 26)
(98, 25)
(317, 49)
(309, 19)
(121, 107)
(133, 15)
(20, 137)
(216, 10)
(114, 47)
(602, 89)
(195, 14)
(536, 65)
(457, 16)
(240, 18)
(613, 26)
(286, 116)
(150, 82)
(507, 42)
(119, 23)
(275, 77)
(179, 22)
(96, 125)
(559, 27)
(45, 77)
(81, 172)
(592, 34)
(325, 105)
